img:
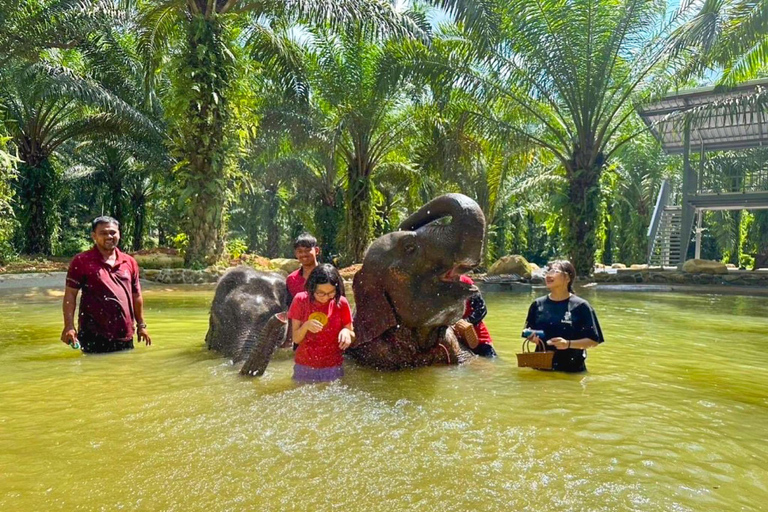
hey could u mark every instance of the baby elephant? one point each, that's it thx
(247, 321)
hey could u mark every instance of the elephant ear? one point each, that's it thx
(375, 314)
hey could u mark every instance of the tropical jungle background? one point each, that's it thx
(222, 128)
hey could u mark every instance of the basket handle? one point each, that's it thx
(527, 341)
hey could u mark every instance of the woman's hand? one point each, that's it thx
(312, 326)
(559, 343)
(535, 339)
(345, 338)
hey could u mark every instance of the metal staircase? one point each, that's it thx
(664, 233)
(666, 246)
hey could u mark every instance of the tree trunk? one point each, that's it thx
(359, 218)
(207, 68)
(581, 217)
(37, 211)
(253, 226)
(273, 227)
(139, 205)
(328, 220)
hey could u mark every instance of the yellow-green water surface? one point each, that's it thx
(672, 416)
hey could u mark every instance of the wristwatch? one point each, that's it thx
(141, 325)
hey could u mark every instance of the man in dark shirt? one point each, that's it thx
(111, 299)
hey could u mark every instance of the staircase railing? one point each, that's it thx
(658, 211)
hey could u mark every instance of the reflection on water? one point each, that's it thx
(671, 416)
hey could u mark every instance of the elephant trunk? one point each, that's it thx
(465, 234)
(269, 339)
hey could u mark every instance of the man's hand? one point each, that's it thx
(144, 336)
(559, 343)
(345, 338)
(69, 336)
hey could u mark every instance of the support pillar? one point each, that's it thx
(689, 189)
(699, 229)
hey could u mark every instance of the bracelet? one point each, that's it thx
(141, 325)
(569, 343)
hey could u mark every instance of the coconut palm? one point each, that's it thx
(574, 69)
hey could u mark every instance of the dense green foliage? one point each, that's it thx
(232, 126)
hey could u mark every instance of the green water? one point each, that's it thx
(672, 416)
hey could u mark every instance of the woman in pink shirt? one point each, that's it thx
(321, 324)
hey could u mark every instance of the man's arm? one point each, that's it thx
(69, 334)
(138, 310)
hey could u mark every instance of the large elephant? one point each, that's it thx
(408, 293)
(246, 321)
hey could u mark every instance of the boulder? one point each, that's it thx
(285, 264)
(534, 267)
(638, 266)
(511, 264)
(704, 267)
(618, 265)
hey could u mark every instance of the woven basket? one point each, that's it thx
(538, 360)
(466, 332)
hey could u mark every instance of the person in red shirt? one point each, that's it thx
(306, 250)
(474, 312)
(111, 300)
(321, 323)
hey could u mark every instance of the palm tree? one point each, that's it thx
(574, 69)
(359, 82)
(726, 36)
(7, 175)
(206, 35)
(45, 105)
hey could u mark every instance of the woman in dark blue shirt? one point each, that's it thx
(569, 323)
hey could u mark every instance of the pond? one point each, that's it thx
(672, 415)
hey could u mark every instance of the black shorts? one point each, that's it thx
(95, 344)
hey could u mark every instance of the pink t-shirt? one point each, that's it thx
(321, 349)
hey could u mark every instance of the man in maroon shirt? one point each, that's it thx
(111, 299)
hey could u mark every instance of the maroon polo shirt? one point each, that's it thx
(106, 302)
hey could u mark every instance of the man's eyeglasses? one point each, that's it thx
(325, 294)
(553, 272)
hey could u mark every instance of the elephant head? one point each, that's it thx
(245, 322)
(410, 278)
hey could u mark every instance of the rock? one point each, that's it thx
(285, 264)
(704, 267)
(149, 275)
(534, 267)
(731, 265)
(618, 265)
(511, 264)
(637, 266)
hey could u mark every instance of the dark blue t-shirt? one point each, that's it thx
(570, 319)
